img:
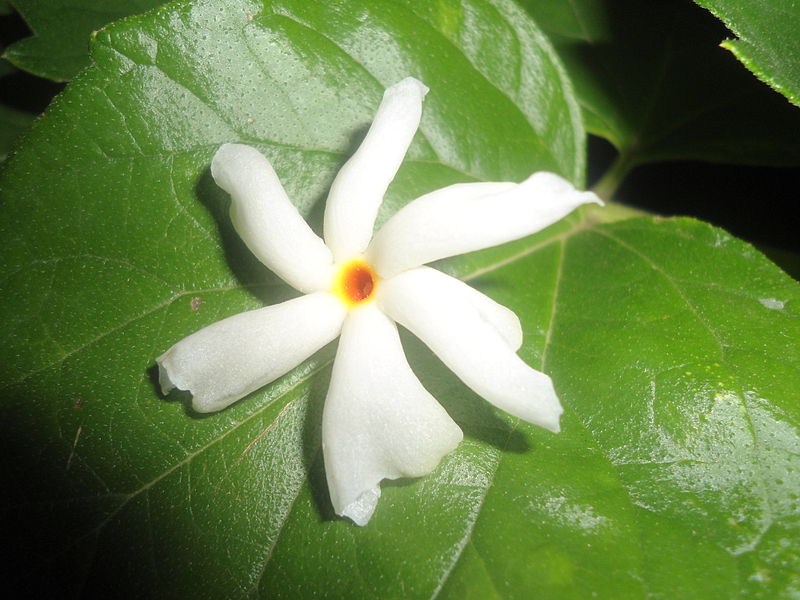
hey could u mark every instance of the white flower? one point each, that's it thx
(379, 422)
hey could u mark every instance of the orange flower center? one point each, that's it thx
(355, 282)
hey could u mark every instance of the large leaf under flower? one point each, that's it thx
(672, 346)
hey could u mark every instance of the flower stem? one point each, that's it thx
(607, 186)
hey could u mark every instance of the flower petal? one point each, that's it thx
(469, 346)
(268, 222)
(504, 320)
(378, 422)
(229, 359)
(458, 219)
(358, 189)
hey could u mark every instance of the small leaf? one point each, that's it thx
(652, 80)
(768, 43)
(60, 47)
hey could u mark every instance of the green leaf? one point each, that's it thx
(767, 42)
(652, 80)
(673, 347)
(59, 50)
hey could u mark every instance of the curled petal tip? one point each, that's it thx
(226, 163)
(406, 85)
(552, 424)
(178, 381)
(545, 409)
(164, 380)
(549, 410)
(199, 404)
(591, 197)
(360, 511)
(562, 186)
(541, 407)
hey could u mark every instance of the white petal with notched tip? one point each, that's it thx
(229, 359)
(378, 421)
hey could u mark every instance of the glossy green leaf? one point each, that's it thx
(673, 346)
(767, 39)
(652, 80)
(59, 48)
(117, 244)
